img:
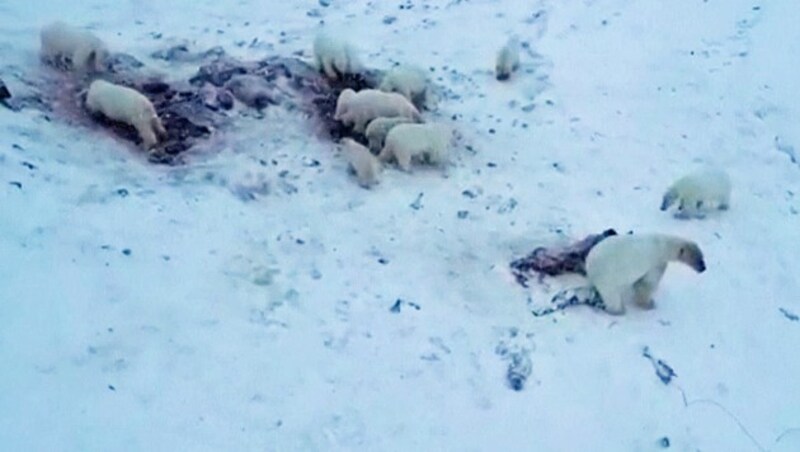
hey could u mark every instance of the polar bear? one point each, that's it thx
(378, 128)
(406, 141)
(698, 193)
(359, 108)
(507, 60)
(68, 47)
(335, 57)
(410, 81)
(126, 105)
(366, 166)
(625, 267)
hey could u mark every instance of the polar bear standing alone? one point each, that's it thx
(334, 56)
(406, 141)
(625, 267)
(126, 105)
(359, 108)
(410, 81)
(366, 166)
(698, 193)
(69, 47)
(507, 60)
(378, 129)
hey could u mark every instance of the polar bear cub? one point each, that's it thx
(69, 47)
(378, 129)
(366, 166)
(126, 105)
(698, 193)
(507, 60)
(410, 81)
(335, 57)
(626, 267)
(406, 141)
(359, 108)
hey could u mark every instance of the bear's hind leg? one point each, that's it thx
(724, 203)
(612, 300)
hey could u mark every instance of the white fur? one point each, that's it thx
(366, 166)
(334, 56)
(378, 128)
(406, 141)
(73, 48)
(626, 267)
(359, 108)
(507, 60)
(698, 193)
(126, 105)
(410, 81)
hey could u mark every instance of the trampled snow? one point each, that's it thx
(248, 300)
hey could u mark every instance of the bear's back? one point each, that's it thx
(116, 101)
(624, 258)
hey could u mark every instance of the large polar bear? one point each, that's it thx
(334, 56)
(359, 108)
(507, 59)
(626, 267)
(72, 48)
(406, 141)
(126, 105)
(366, 166)
(698, 193)
(378, 129)
(410, 81)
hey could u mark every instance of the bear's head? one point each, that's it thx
(669, 199)
(343, 103)
(690, 254)
(99, 60)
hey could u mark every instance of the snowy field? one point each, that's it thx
(244, 301)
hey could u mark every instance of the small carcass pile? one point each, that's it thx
(557, 261)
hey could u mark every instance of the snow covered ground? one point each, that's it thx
(243, 301)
